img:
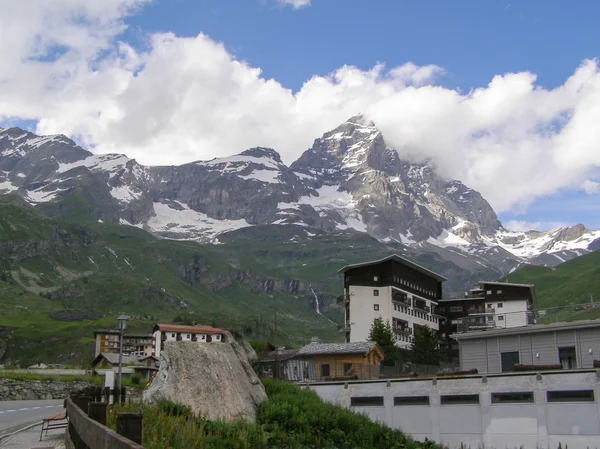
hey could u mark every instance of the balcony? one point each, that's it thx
(401, 298)
(419, 304)
(482, 311)
(403, 330)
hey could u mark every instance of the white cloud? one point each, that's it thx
(296, 4)
(183, 99)
(590, 187)
(523, 226)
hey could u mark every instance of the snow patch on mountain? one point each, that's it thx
(7, 186)
(171, 222)
(125, 194)
(269, 176)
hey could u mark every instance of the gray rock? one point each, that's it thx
(214, 379)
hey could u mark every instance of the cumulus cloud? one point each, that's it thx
(590, 187)
(296, 4)
(184, 99)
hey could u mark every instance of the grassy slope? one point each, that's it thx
(103, 270)
(565, 285)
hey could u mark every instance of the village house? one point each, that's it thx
(145, 365)
(163, 333)
(395, 290)
(107, 342)
(283, 364)
(331, 361)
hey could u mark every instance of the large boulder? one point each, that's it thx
(214, 379)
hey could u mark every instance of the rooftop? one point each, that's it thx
(531, 329)
(113, 358)
(208, 330)
(280, 354)
(398, 259)
(360, 347)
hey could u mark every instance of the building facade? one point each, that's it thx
(163, 333)
(572, 345)
(488, 305)
(395, 290)
(107, 342)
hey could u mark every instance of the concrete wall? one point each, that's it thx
(537, 423)
(20, 390)
(540, 348)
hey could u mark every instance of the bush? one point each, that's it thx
(136, 379)
(291, 418)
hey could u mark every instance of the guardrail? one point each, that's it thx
(89, 431)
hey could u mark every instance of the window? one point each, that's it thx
(411, 400)
(173, 335)
(325, 370)
(375, 292)
(489, 292)
(375, 306)
(456, 309)
(500, 305)
(570, 396)
(187, 336)
(490, 318)
(367, 401)
(456, 399)
(347, 368)
(490, 306)
(510, 398)
(499, 292)
(501, 318)
(375, 278)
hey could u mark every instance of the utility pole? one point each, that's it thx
(275, 323)
(592, 300)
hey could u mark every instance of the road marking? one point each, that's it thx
(27, 409)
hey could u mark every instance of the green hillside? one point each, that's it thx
(59, 281)
(562, 288)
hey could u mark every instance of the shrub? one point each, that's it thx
(136, 379)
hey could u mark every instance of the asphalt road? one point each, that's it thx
(15, 414)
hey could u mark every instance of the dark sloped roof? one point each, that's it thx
(113, 358)
(282, 354)
(398, 259)
(359, 347)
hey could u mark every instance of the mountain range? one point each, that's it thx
(350, 180)
(244, 242)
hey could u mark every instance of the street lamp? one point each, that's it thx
(121, 325)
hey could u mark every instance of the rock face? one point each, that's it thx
(214, 379)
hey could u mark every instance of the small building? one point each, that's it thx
(163, 333)
(107, 341)
(283, 364)
(395, 290)
(331, 361)
(572, 345)
(145, 365)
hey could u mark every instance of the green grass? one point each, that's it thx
(561, 288)
(291, 418)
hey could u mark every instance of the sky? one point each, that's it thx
(502, 95)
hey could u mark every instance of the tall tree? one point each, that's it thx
(425, 348)
(382, 334)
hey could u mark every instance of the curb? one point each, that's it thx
(22, 429)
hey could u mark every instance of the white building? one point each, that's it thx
(395, 290)
(163, 333)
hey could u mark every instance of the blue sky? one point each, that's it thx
(463, 46)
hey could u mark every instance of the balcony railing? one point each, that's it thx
(401, 298)
(403, 330)
(421, 305)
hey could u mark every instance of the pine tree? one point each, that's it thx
(382, 334)
(425, 348)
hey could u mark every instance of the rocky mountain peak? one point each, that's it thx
(262, 152)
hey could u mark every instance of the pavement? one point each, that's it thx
(18, 424)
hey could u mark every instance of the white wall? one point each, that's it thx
(157, 343)
(531, 425)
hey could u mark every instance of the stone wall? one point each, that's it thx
(21, 390)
